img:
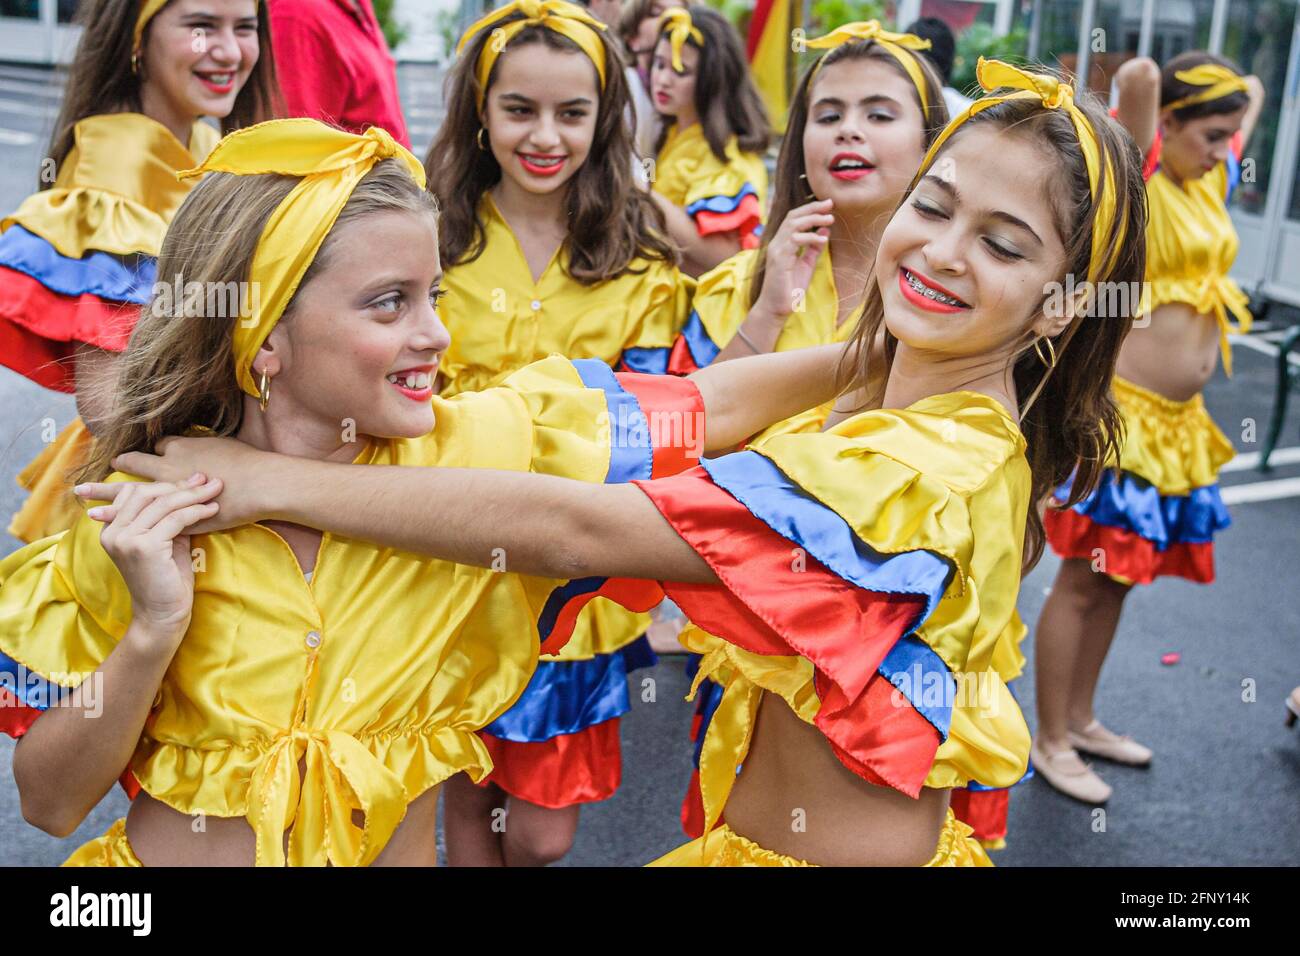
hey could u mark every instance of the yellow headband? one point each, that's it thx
(147, 11)
(1053, 95)
(895, 44)
(1220, 81)
(566, 19)
(331, 163)
(677, 24)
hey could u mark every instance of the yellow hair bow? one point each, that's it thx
(1054, 95)
(331, 163)
(677, 23)
(566, 19)
(895, 44)
(147, 11)
(1219, 80)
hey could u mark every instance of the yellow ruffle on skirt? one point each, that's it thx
(1174, 445)
(111, 849)
(723, 846)
(51, 506)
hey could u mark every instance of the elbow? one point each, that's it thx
(57, 821)
(1138, 73)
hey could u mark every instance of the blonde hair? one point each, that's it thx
(178, 370)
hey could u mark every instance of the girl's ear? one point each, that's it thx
(1053, 321)
(269, 357)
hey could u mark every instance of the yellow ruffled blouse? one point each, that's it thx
(947, 475)
(1191, 246)
(500, 319)
(719, 196)
(116, 192)
(377, 672)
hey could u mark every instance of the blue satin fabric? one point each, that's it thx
(787, 509)
(630, 449)
(30, 689)
(1128, 502)
(702, 348)
(707, 699)
(722, 204)
(565, 697)
(96, 273)
(920, 675)
(650, 361)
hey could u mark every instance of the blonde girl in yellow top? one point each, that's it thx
(1158, 507)
(77, 258)
(708, 176)
(551, 247)
(306, 693)
(854, 587)
(861, 119)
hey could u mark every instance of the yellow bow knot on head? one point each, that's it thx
(566, 19)
(676, 22)
(896, 44)
(1219, 81)
(1053, 95)
(330, 163)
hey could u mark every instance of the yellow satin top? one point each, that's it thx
(1191, 245)
(722, 303)
(500, 319)
(116, 190)
(686, 169)
(948, 475)
(378, 672)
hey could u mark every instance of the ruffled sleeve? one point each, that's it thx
(592, 424)
(729, 197)
(659, 305)
(719, 308)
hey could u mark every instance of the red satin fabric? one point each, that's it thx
(1127, 554)
(984, 811)
(572, 768)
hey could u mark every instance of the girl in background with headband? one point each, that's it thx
(307, 693)
(1158, 508)
(77, 258)
(839, 579)
(708, 177)
(860, 122)
(550, 247)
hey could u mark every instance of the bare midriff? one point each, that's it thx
(162, 836)
(795, 797)
(1174, 354)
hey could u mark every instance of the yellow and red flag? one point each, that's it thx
(768, 49)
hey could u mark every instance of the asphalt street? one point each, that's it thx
(1224, 787)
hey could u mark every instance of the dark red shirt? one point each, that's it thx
(334, 64)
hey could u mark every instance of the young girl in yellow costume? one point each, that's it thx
(550, 247)
(708, 177)
(853, 587)
(861, 119)
(311, 684)
(1158, 507)
(77, 259)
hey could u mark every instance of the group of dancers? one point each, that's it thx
(394, 514)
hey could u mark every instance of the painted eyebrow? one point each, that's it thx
(865, 101)
(520, 98)
(998, 214)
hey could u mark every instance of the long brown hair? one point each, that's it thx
(726, 100)
(178, 370)
(790, 185)
(101, 79)
(612, 221)
(1073, 426)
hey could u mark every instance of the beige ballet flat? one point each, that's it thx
(1067, 772)
(1293, 707)
(1100, 742)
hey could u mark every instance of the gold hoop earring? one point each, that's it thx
(1038, 350)
(479, 138)
(264, 392)
(135, 63)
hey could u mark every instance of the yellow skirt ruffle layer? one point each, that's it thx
(51, 506)
(1174, 445)
(111, 849)
(723, 846)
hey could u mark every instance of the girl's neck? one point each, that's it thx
(287, 431)
(686, 118)
(161, 110)
(854, 239)
(528, 209)
(915, 375)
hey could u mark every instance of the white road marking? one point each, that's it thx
(27, 109)
(1258, 345)
(16, 137)
(1262, 491)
